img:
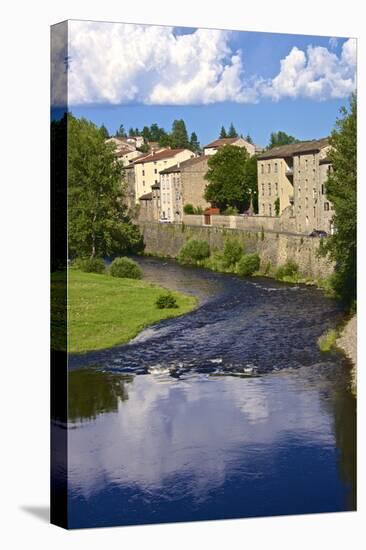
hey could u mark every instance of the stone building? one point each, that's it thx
(148, 167)
(214, 146)
(182, 184)
(296, 175)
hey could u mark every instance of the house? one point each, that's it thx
(183, 184)
(296, 175)
(148, 168)
(214, 146)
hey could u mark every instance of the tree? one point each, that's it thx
(232, 132)
(223, 133)
(281, 138)
(97, 221)
(194, 144)
(146, 133)
(229, 181)
(251, 178)
(104, 131)
(249, 139)
(179, 135)
(121, 132)
(131, 132)
(341, 190)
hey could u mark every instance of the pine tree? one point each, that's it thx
(104, 131)
(179, 135)
(194, 143)
(121, 132)
(232, 132)
(223, 133)
(249, 139)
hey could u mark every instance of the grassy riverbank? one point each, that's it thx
(105, 311)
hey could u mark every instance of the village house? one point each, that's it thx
(148, 168)
(214, 146)
(295, 175)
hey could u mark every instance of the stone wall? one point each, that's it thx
(273, 248)
(286, 222)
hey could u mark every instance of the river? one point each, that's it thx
(229, 411)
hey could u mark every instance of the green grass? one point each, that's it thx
(105, 311)
(327, 341)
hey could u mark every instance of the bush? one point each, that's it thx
(327, 341)
(166, 301)
(194, 251)
(124, 267)
(289, 269)
(90, 265)
(231, 211)
(188, 209)
(233, 251)
(248, 264)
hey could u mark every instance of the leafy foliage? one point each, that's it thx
(179, 135)
(190, 209)
(341, 190)
(125, 268)
(233, 251)
(231, 211)
(90, 265)
(288, 269)
(248, 264)
(277, 206)
(166, 301)
(194, 144)
(194, 251)
(230, 182)
(281, 138)
(97, 221)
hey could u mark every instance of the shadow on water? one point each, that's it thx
(229, 411)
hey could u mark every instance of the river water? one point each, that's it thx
(229, 411)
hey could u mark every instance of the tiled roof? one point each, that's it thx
(221, 142)
(146, 197)
(184, 164)
(294, 149)
(152, 157)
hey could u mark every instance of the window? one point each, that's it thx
(155, 171)
(269, 189)
(299, 191)
(314, 192)
(306, 202)
(314, 211)
(262, 168)
(143, 183)
(314, 156)
(276, 167)
(269, 168)
(326, 206)
(262, 188)
(263, 209)
(323, 189)
(143, 172)
(276, 188)
(306, 164)
(270, 209)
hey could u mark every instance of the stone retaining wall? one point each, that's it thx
(273, 248)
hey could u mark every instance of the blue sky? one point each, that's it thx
(262, 82)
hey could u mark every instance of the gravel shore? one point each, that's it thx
(347, 341)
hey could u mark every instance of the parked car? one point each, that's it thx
(318, 233)
(164, 220)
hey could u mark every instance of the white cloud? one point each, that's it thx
(317, 74)
(122, 63)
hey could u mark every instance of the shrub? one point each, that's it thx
(233, 251)
(289, 269)
(124, 267)
(194, 251)
(188, 209)
(248, 264)
(277, 206)
(327, 341)
(166, 301)
(231, 211)
(90, 265)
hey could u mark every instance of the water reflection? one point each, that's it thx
(268, 442)
(93, 392)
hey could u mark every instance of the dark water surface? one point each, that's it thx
(230, 411)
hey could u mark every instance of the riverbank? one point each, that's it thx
(105, 311)
(347, 341)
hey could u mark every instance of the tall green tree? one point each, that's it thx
(146, 133)
(280, 138)
(251, 180)
(121, 132)
(179, 135)
(97, 220)
(223, 133)
(230, 182)
(249, 139)
(232, 133)
(194, 144)
(104, 131)
(341, 190)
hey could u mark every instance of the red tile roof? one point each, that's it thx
(161, 155)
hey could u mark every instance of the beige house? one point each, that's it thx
(148, 168)
(296, 175)
(214, 146)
